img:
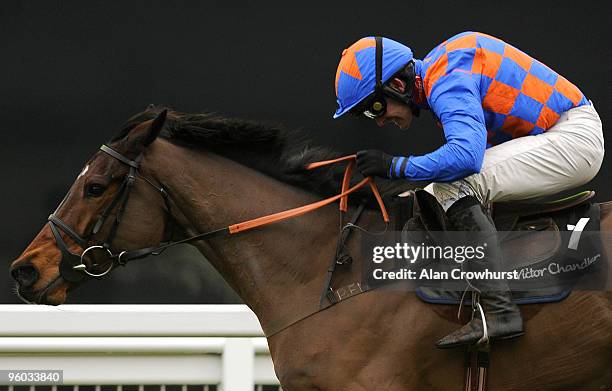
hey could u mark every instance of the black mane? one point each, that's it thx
(271, 149)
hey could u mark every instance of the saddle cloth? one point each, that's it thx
(552, 247)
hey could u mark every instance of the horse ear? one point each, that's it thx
(156, 126)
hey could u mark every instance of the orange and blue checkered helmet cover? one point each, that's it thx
(356, 73)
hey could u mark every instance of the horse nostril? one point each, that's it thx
(25, 275)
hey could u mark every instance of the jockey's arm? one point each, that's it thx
(456, 102)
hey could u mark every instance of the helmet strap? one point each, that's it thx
(379, 104)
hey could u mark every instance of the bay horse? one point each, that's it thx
(216, 172)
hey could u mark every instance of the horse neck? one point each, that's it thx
(274, 269)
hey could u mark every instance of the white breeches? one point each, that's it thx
(568, 155)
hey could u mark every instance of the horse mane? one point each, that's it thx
(268, 148)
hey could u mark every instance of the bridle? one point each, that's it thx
(75, 268)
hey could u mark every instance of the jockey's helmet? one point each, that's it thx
(356, 76)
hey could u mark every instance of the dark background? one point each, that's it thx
(72, 71)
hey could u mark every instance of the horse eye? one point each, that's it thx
(94, 190)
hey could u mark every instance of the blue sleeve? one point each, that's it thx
(455, 100)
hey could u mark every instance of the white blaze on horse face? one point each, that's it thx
(84, 171)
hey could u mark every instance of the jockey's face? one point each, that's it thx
(397, 113)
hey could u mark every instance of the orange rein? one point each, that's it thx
(343, 196)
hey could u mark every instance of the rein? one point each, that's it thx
(74, 267)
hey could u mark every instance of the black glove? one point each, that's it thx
(373, 162)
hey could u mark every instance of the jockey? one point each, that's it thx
(514, 129)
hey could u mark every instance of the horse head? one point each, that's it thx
(83, 236)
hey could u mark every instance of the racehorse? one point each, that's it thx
(208, 172)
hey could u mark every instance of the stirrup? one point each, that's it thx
(484, 340)
(476, 306)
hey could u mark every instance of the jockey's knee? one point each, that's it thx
(447, 193)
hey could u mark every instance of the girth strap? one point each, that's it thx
(477, 358)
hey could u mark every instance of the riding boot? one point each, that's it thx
(503, 317)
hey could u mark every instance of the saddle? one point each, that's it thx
(533, 236)
(506, 215)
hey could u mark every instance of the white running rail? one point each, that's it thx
(220, 347)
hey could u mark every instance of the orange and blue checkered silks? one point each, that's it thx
(520, 96)
(484, 92)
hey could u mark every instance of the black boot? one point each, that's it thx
(503, 317)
